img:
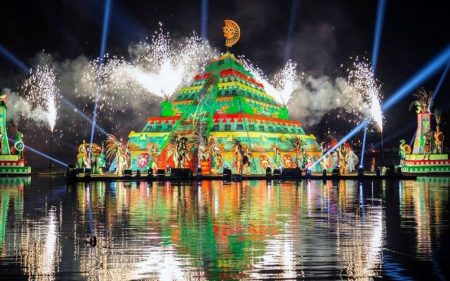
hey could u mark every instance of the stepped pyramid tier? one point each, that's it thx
(225, 118)
(426, 156)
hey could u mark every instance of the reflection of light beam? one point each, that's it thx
(361, 164)
(377, 35)
(27, 147)
(292, 20)
(12, 58)
(105, 29)
(204, 20)
(344, 139)
(418, 78)
(438, 86)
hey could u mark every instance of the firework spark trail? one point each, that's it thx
(41, 90)
(362, 79)
(283, 83)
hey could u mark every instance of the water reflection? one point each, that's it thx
(213, 230)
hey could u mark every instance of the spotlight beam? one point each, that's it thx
(343, 140)
(27, 147)
(441, 80)
(82, 115)
(12, 58)
(105, 30)
(361, 164)
(106, 16)
(421, 76)
(378, 30)
(292, 20)
(204, 19)
(375, 50)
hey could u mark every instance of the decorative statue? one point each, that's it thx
(401, 152)
(178, 149)
(351, 159)
(301, 158)
(98, 159)
(342, 162)
(334, 159)
(241, 156)
(153, 152)
(264, 162)
(82, 157)
(19, 145)
(117, 150)
(216, 155)
(277, 160)
(438, 135)
(427, 145)
(423, 101)
(102, 159)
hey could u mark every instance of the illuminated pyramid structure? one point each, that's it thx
(225, 116)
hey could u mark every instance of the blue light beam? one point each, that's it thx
(428, 70)
(27, 147)
(343, 140)
(375, 50)
(441, 80)
(46, 156)
(12, 58)
(377, 35)
(82, 115)
(361, 164)
(106, 16)
(292, 20)
(204, 20)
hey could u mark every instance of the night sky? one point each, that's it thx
(325, 35)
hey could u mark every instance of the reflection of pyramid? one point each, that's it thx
(235, 118)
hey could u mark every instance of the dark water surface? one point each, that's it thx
(393, 230)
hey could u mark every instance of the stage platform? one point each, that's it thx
(166, 177)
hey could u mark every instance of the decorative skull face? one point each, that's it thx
(228, 31)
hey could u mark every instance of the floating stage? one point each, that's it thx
(185, 175)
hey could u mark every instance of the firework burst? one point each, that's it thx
(156, 70)
(41, 90)
(364, 83)
(282, 84)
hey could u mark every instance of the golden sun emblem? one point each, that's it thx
(231, 32)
